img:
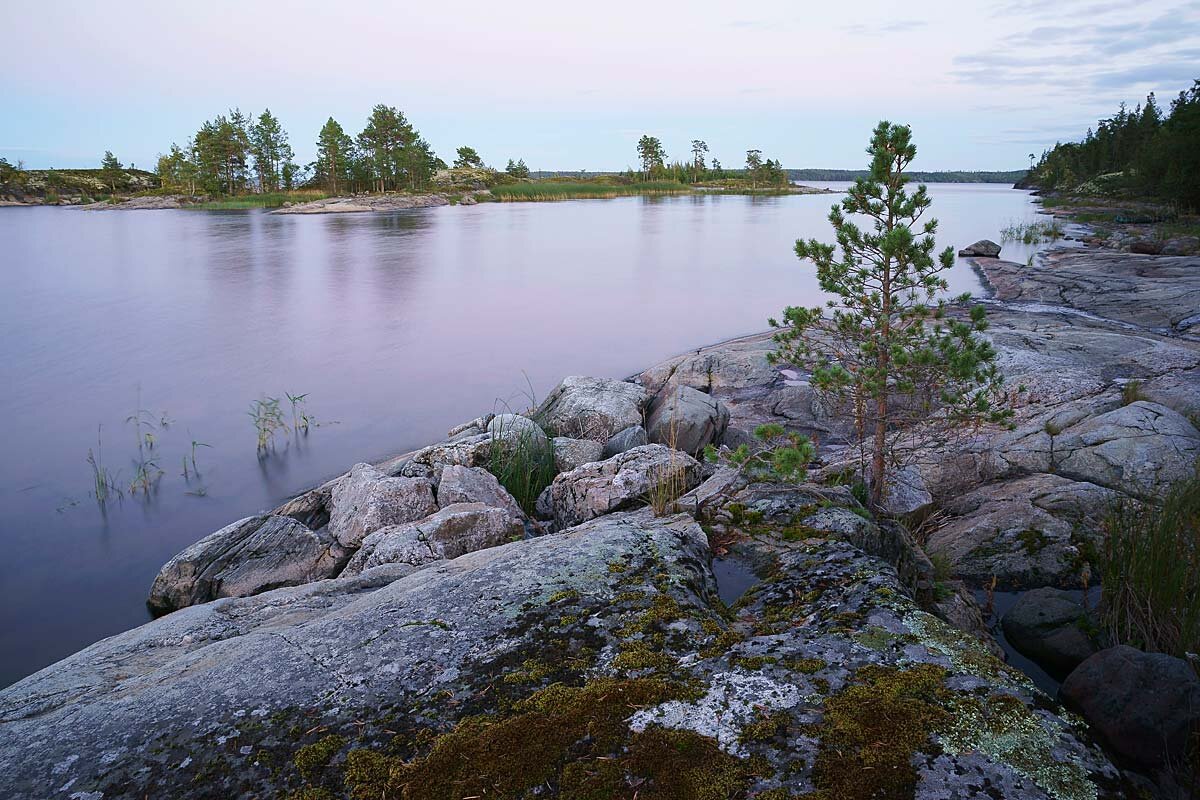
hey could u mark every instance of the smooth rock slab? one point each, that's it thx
(457, 529)
(616, 484)
(248, 557)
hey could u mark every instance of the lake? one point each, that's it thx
(395, 326)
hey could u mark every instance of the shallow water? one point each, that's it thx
(396, 326)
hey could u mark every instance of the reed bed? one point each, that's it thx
(549, 190)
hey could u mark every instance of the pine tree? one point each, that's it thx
(887, 349)
(467, 157)
(334, 155)
(651, 155)
(271, 151)
(110, 169)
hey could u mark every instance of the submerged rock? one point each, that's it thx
(591, 408)
(619, 483)
(250, 556)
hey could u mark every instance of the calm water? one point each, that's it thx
(396, 326)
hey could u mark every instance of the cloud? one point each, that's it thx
(876, 29)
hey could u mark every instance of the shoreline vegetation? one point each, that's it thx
(243, 161)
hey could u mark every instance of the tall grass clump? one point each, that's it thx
(1150, 572)
(523, 463)
(545, 191)
(1031, 232)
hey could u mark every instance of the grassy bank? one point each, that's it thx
(568, 190)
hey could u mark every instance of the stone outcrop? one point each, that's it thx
(571, 453)
(623, 440)
(591, 408)
(365, 203)
(619, 483)
(457, 529)
(686, 419)
(596, 659)
(984, 248)
(365, 500)
(250, 556)
(458, 484)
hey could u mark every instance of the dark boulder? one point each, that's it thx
(1144, 705)
(984, 248)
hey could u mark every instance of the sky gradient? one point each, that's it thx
(573, 86)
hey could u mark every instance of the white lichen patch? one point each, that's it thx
(733, 700)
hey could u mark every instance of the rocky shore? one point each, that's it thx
(410, 629)
(365, 203)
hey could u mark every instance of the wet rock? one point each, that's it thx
(618, 483)
(459, 484)
(365, 501)
(1144, 704)
(686, 419)
(954, 603)
(571, 453)
(1050, 627)
(627, 439)
(1028, 532)
(984, 248)
(457, 529)
(248, 557)
(592, 408)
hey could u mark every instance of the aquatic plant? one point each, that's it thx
(145, 476)
(1031, 232)
(300, 418)
(268, 420)
(524, 465)
(104, 482)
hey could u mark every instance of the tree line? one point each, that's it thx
(236, 153)
(652, 158)
(1144, 151)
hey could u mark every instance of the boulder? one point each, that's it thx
(248, 557)
(503, 426)
(609, 633)
(631, 437)
(1050, 627)
(1144, 705)
(592, 408)
(460, 484)
(571, 453)
(686, 419)
(1182, 246)
(1028, 532)
(984, 248)
(1146, 247)
(906, 492)
(467, 449)
(621, 482)
(457, 529)
(365, 500)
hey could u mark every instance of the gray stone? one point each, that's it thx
(457, 529)
(215, 700)
(984, 248)
(365, 501)
(618, 483)
(571, 453)
(627, 439)
(1182, 246)
(1144, 705)
(248, 557)
(503, 426)
(906, 492)
(1050, 627)
(686, 419)
(591, 408)
(1027, 532)
(460, 484)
